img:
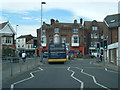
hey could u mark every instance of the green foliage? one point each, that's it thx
(7, 51)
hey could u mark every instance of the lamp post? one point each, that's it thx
(41, 30)
(16, 41)
(16, 30)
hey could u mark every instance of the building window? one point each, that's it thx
(22, 45)
(63, 39)
(94, 28)
(51, 39)
(31, 45)
(75, 30)
(92, 43)
(95, 44)
(56, 38)
(18, 45)
(28, 46)
(75, 39)
(22, 39)
(43, 32)
(56, 30)
(8, 40)
(44, 39)
(18, 40)
(3, 40)
(94, 35)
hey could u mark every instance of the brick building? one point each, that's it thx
(112, 21)
(73, 34)
(96, 33)
(78, 36)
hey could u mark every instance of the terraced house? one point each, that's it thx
(73, 34)
(80, 37)
(96, 32)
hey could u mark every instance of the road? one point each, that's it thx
(77, 74)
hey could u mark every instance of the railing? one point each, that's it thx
(12, 66)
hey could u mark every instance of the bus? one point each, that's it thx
(57, 52)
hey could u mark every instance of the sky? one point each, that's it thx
(27, 13)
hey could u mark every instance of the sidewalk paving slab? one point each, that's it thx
(108, 65)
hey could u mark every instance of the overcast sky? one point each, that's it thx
(27, 13)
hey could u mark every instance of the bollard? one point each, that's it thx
(20, 65)
(11, 70)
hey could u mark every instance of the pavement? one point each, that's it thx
(12, 69)
(107, 65)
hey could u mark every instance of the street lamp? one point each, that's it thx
(16, 30)
(16, 40)
(41, 30)
(16, 33)
(41, 17)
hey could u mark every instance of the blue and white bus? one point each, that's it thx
(57, 52)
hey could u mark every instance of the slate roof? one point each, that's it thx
(28, 37)
(2, 25)
(113, 21)
(88, 24)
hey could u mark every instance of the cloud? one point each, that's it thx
(27, 18)
(93, 9)
(2, 19)
(26, 29)
(61, 1)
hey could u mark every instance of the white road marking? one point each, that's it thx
(110, 71)
(93, 79)
(82, 84)
(31, 73)
(90, 62)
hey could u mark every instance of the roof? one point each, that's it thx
(4, 28)
(2, 25)
(112, 21)
(88, 24)
(30, 41)
(27, 37)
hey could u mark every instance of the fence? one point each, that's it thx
(13, 66)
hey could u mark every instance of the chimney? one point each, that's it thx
(57, 21)
(75, 21)
(52, 21)
(44, 23)
(81, 21)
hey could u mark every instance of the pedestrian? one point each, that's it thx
(20, 54)
(23, 56)
(101, 58)
(98, 57)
